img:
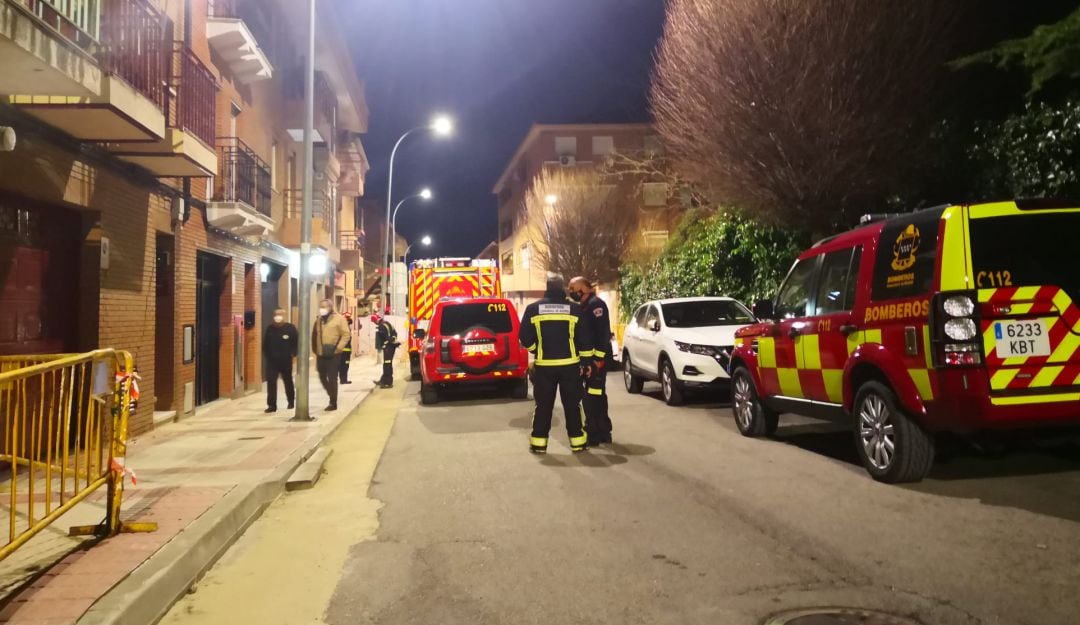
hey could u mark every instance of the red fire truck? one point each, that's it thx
(432, 280)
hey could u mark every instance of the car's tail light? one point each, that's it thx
(954, 321)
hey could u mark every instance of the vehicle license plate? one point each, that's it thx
(476, 349)
(1022, 338)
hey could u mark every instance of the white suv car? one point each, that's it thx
(682, 343)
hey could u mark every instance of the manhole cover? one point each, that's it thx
(837, 616)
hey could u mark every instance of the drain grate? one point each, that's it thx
(837, 616)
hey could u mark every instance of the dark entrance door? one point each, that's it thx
(210, 279)
(164, 324)
(271, 293)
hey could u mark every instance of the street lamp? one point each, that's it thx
(442, 126)
(426, 241)
(425, 194)
(304, 301)
(550, 199)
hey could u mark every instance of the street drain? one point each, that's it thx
(837, 616)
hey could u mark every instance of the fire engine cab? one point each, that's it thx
(432, 280)
(960, 318)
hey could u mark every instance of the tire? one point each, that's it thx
(634, 383)
(520, 389)
(414, 367)
(669, 384)
(752, 417)
(429, 395)
(880, 423)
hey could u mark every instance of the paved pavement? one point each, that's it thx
(681, 521)
(203, 480)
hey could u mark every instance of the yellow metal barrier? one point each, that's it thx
(64, 421)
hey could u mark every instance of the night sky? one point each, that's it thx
(497, 67)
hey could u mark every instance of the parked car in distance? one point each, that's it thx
(684, 344)
(472, 341)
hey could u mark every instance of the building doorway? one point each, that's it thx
(210, 281)
(164, 322)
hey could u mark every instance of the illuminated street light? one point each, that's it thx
(442, 126)
(426, 241)
(425, 193)
(550, 199)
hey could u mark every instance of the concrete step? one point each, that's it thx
(306, 475)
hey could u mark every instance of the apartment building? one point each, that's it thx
(152, 199)
(569, 146)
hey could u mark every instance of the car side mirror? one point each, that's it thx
(654, 325)
(763, 309)
(419, 333)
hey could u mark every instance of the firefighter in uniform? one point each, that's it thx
(556, 332)
(595, 401)
(386, 342)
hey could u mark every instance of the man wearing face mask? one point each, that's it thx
(328, 340)
(279, 348)
(595, 401)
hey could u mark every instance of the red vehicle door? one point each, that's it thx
(778, 353)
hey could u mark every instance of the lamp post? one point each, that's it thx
(303, 364)
(426, 195)
(441, 126)
(426, 241)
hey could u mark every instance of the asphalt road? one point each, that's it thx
(682, 520)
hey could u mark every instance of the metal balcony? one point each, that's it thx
(233, 40)
(242, 193)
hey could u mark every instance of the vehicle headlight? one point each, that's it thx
(959, 306)
(700, 350)
(960, 329)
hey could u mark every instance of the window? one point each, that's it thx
(836, 291)
(273, 165)
(704, 314)
(565, 146)
(525, 256)
(508, 263)
(459, 318)
(906, 256)
(639, 316)
(794, 295)
(1028, 249)
(651, 316)
(603, 146)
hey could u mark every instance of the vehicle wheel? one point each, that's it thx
(673, 395)
(892, 446)
(634, 383)
(414, 366)
(520, 389)
(752, 417)
(429, 395)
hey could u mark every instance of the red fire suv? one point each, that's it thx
(471, 341)
(960, 319)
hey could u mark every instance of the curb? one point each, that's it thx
(148, 592)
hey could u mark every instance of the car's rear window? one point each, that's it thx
(906, 256)
(705, 314)
(1026, 250)
(459, 318)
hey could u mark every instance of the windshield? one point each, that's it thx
(459, 318)
(1026, 250)
(704, 314)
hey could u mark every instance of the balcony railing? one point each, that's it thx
(222, 8)
(294, 204)
(79, 21)
(351, 240)
(196, 89)
(136, 44)
(243, 176)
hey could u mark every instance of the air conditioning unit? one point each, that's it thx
(567, 160)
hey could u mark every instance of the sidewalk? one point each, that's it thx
(203, 480)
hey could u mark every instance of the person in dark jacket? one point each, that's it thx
(386, 342)
(346, 355)
(595, 311)
(279, 348)
(555, 330)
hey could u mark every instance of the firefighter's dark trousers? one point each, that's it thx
(595, 402)
(343, 368)
(388, 351)
(566, 379)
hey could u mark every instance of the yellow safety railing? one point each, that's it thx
(64, 421)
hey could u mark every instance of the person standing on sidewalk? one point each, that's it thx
(346, 355)
(554, 329)
(328, 340)
(595, 401)
(279, 347)
(386, 342)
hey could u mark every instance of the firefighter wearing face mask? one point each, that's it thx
(595, 400)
